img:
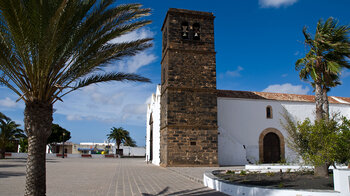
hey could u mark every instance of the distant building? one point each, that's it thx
(98, 148)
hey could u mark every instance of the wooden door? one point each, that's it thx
(272, 150)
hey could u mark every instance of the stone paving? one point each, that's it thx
(107, 177)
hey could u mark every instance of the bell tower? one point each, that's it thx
(188, 128)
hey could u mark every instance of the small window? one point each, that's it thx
(184, 30)
(196, 31)
(268, 112)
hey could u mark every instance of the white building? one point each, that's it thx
(128, 151)
(191, 123)
(244, 121)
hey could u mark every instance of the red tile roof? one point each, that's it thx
(278, 96)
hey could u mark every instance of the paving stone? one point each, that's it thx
(111, 177)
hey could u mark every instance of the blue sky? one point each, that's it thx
(257, 44)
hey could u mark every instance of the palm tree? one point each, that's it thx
(51, 48)
(9, 131)
(120, 136)
(130, 142)
(323, 63)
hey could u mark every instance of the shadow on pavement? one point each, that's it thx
(10, 174)
(199, 191)
(15, 159)
(160, 193)
(9, 165)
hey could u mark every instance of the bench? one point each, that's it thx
(8, 154)
(60, 155)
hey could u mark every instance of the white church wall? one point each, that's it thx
(241, 122)
(154, 109)
(301, 110)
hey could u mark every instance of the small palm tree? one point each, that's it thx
(324, 61)
(120, 136)
(51, 48)
(130, 142)
(9, 131)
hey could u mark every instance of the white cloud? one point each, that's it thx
(115, 103)
(7, 102)
(133, 110)
(235, 73)
(74, 117)
(134, 35)
(284, 75)
(287, 88)
(133, 63)
(276, 3)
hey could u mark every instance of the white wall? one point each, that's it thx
(154, 109)
(241, 122)
(213, 182)
(134, 151)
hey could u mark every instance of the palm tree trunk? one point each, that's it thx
(319, 100)
(322, 170)
(2, 153)
(117, 152)
(38, 122)
(325, 103)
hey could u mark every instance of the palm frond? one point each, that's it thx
(48, 45)
(327, 53)
(109, 77)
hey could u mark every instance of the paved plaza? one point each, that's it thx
(122, 177)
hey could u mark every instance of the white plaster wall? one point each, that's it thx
(134, 151)
(154, 109)
(241, 122)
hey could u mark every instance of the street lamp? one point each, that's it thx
(63, 145)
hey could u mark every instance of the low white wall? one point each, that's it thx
(342, 180)
(231, 189)
(17, 155)
(134, 151)
(52, 156)
(277, 167)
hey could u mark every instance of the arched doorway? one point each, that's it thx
(271, 146)
(272, 151)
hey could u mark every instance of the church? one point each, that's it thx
(192, 123)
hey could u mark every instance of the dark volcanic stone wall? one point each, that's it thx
(188, 99)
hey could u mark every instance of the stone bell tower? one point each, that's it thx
(188, 128)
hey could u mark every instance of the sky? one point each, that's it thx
(257, 44)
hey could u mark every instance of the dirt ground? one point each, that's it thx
(285, 180)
